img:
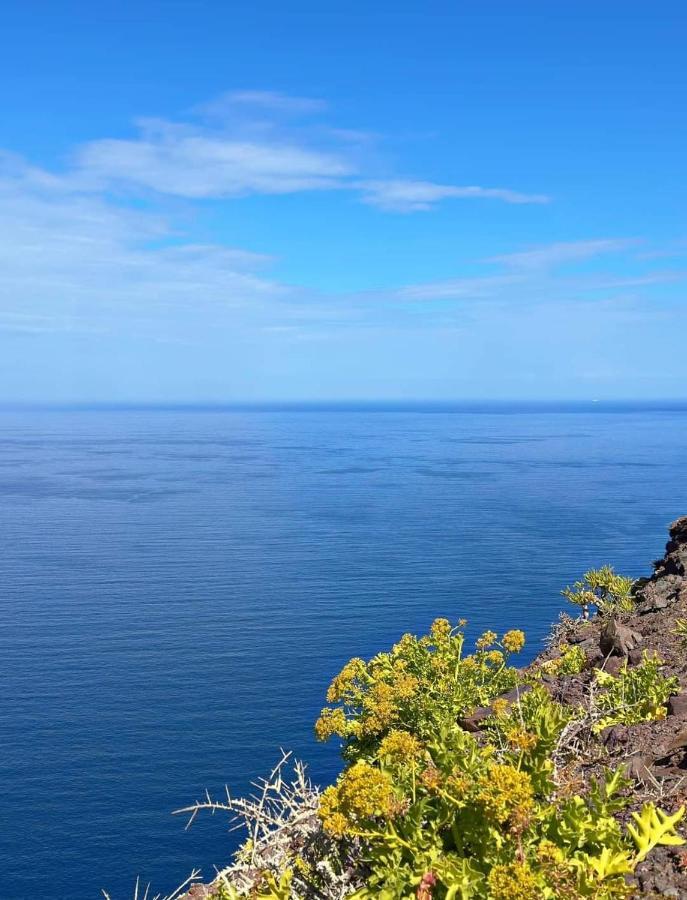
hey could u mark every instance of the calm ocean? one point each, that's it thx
(178, 587)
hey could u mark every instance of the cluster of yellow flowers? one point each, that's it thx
(520, 739)
(363, 791)
(514, 881)
(557, 871)
(506, 795)
(500, 707)
(405, 686)
(457, 785)
(513, 641)
(331, 722)
(417, 680)
(379, 708)
(399, 747)
(486, 640)
(440, 630)
(345, 682)
(431, 778)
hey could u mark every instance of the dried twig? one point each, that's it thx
(175, 895)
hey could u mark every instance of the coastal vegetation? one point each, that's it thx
(465, 777)
(601, 589)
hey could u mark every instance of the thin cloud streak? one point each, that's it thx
(185, 163)
(272, 101)
(551, 255)
(398, 195)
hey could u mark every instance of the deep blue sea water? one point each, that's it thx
(178, 587)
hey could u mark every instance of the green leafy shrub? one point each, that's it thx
(636, 695)
(601, 588)
(440, 813)
(571, 662)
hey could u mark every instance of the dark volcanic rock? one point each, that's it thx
(200, 892)
(615, 735)
(618, 639)
(476, 719)
(514, 695)
(677, 743)
(634, 657)
(668, 584)
(639, 768)
(613, 666)
(582, 635)
(675, 560)
(677, 705)
(662, 593)
(588, 644)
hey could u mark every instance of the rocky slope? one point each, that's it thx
(655, 753)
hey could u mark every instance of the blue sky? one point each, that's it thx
(217, 202)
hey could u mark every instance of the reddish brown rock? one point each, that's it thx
(639, 769)
(668, 584)
(617, 639)
(677, 705)
(476, 719)
(613, 665)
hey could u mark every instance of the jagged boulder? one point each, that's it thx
(668, 584)
(675, 560)
(618, 640)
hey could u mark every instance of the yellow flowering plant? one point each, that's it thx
(425, 809)
(445, 814)
(486, 825)
(420, 685)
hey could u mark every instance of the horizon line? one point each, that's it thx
(379, 405)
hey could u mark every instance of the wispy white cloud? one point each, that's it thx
(70, 259)
(74, 259)
(675, 248)
(552, 255)
(271, 101)
(258, 142)
(188, 162)
(532, 276)
(459, 288)
(399, 195)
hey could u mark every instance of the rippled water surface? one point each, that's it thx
(177, 588)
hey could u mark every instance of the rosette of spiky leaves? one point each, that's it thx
(601, 588)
